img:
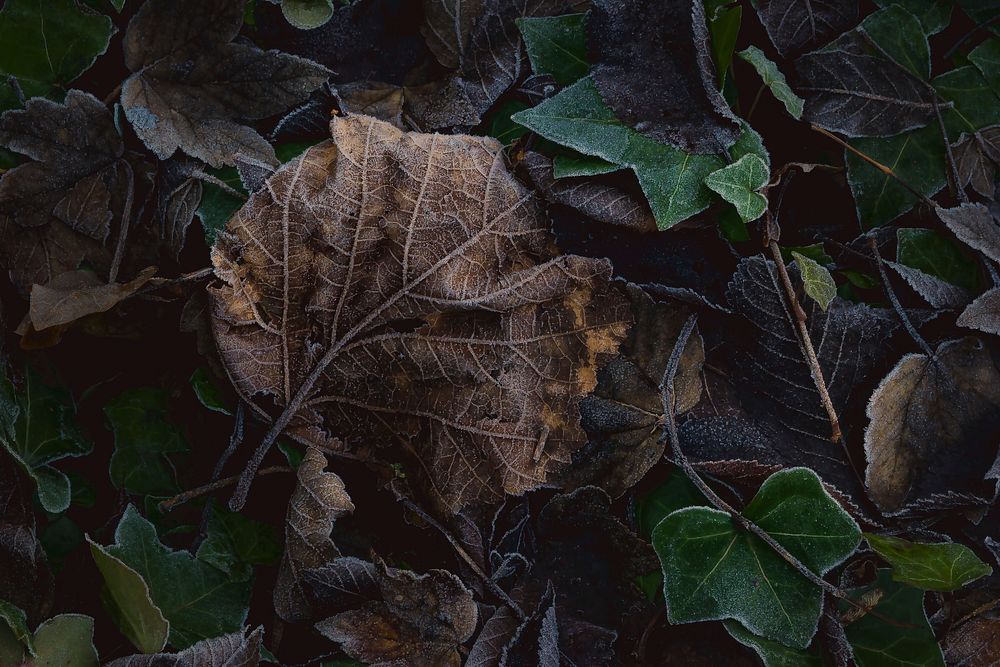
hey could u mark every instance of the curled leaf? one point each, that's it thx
(75, 294)
(233, 650)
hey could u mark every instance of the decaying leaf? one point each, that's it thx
(400, 286)
(933, 427)
(318, 501)
(975, 226)
(795, 25)
(412, 620)
(653, 68)
(191, 86)
(447, 27)
(975, 643)
(938, 293)
(977, 156)
(75, 294)
(233, 650)
(983, 313)
(56, 212)
(178, 195)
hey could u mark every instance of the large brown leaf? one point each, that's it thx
(404, 287)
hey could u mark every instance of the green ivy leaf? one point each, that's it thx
(739, 184)
(208, 392)
(501, 127)
(986, 58)
(556, 45)
(38, 427)
(234, 543)
(907, 641)
(48, 44)
(934, 15)
(816, 279)
(199, 600)
(771, 653)
(66, 640)
(307, 14)
(17, 622)
(774, 80)
(145, 441)
(724, 20)
(712, 570)
(936, 255)
(671, 179)
(128, 600)
(932, 567)
(574, 164)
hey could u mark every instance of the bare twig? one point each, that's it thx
(113, 96)
(952, 166)
(895, 301)
(964, 38)
(123, 228)
(211, 487)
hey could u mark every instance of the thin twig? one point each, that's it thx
(123, 228)
(111, 97)
(814, 368)
(159, 283)
(191, 494)
(878, 165)
(952, 166)
(895, 301)
(964, 38)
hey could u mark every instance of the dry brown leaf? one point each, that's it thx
(404, 287)
(975, 643)
(318, 501)
(447, 27)
(75, 294)
(983, 313)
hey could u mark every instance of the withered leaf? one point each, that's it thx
(234, 650)
(976, 158)
(975, 226)
(796, 25)
(371, 98)
(191, 87)
(983, 313)
(653, 67)
(413, 620)
(178, 195)
(75, 294)
(933, 428)
(405, 287)
(975, 643)
(938, 293)
(318, 501)
(56, 211)
(447, 26)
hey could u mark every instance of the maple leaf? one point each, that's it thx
(403, 287)
(191, 86)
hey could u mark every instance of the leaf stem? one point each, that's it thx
(186, 496)
(895, 301)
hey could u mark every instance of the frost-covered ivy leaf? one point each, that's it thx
(470, 336)
(557, 45)
(713, 570)
(739, 184)
(673, 181)
(39, 427)
(307, 14)
(234, 543)
(934, 15)
(75, 294)
(975, 226)
(936, 292)
(936, 255)
(127, 598)
(816, 280)
(904, 640)
(924, 411)
(774, 80)
(56, 211)
(411, 620)
(191, 87)
(46, 45)
(566, 166)
(772, 654)
(146, 443)
(197, 599)
(983, 313)
(855, 89)
(931, 567)
(318, 501)
(796, 25)
(233, 650)
(652, 67)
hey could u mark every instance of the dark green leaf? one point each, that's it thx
(724, 20)
(208, 392)
(815, 252)
(676, 492)
(145, 442)
(774, 80)
(933, 15)
(557, 45)
(712, 570)
(771, 653)
(936, 255)
(235, 543)
(986, 58)
(932, 567)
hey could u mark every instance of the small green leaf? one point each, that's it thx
(556, 45)
(724, 20)
(774, 80)
(771, 653)
(66, 640)
(127, 598)
(905, 639)
(38, 427)
(739, 183)
(47, 44)
(932, 567)
(234, 543)
(499, 125)
(574, 164)
(674, 493)
(815, 252)
(712, 570)
(817, 280)
(673, 181)
(936, 255)
(307, 14)
(199, 600)
(145, 441)
(17, 621)
(208, 392)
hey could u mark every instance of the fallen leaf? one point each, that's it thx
(936, 292)
(233, 650)
(796, 25)
(75, 294)
(932, 421)
(976, 157)
(974, 643)
(652, 66)
(447, 27)
(931, 567)
(318, 501)
(983, 313)
(421, 316)
(975, 226)
(191, 86)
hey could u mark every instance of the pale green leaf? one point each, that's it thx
(932, 567)
(739, 184)
(816, 279)
(66, 640)
(774, 80)
(307, 14)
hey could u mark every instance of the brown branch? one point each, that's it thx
(211, 487)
